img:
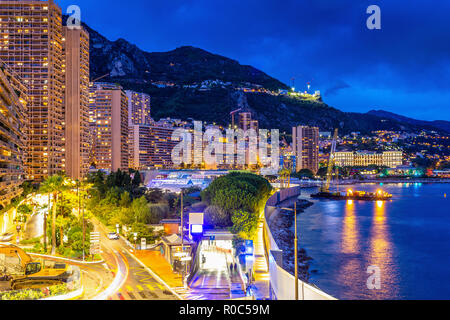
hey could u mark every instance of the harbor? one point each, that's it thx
(401, 238)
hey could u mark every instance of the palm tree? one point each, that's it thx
(52, 185)
(284, 174)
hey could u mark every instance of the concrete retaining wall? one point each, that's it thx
(282, 283)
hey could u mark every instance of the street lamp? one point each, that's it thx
(296, 250)
(84, 224)
(184, 273)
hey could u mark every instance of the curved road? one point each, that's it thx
(119, 277)
(131, 280)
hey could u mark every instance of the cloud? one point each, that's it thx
(336, 87)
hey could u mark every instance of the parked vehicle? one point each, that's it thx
(113, 236)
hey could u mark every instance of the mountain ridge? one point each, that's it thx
(168, 76)
(441, 124)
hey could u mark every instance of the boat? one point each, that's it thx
(325, 193)
(354, 195)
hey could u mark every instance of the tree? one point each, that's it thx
(216, 216)
(322, 172)
(142, 232)
(27, 188)
(140, 209)
(236, 191)
(304, 173)
(244, 223)
(24, 209)
(154, 195)
(137, 179)
(52, 185)
(125, 200)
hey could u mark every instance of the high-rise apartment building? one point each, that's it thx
(391, 159)
(108, 121)
(305, 146)
(139, 147)
(138, 108)
(152, 146)
(31, 45)
(161, 145)
(13, 128)
(76, 101)
(246, 122)
(139, 121)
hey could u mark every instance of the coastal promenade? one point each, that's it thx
(261, 288)
(282, 283)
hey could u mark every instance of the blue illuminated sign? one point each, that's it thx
(196, 228)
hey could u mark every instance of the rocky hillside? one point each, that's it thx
(184, 65)
(439, 124)
(176, 82)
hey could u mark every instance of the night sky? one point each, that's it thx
(402, 68)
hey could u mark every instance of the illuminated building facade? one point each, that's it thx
(246, 122)
(76, 102)
(13, 128)
(139, 147)
(161, 145)
(139, 121)
(108, 121)
(31, 45)
(305, 146)
(138, 108)
(391, 159)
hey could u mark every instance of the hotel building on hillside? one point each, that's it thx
(108, 121)
(391, 159)
(76, 101)
(13, 127)
(31, 45)
(305, 147)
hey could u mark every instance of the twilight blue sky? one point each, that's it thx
(402, 68)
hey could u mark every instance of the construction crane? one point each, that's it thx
(232, 116)
(101, 77)
(326, 186)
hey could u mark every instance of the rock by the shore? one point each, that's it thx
(281, 228)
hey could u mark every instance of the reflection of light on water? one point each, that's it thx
(379, 212)
(381, 250)
(350, 246)
(349, 230)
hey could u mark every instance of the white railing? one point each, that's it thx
(282, 283)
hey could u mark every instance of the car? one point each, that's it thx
(113, 236)
(6, 237)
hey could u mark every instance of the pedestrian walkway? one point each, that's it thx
(260, 288)
(159, 265)
(144, 291)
